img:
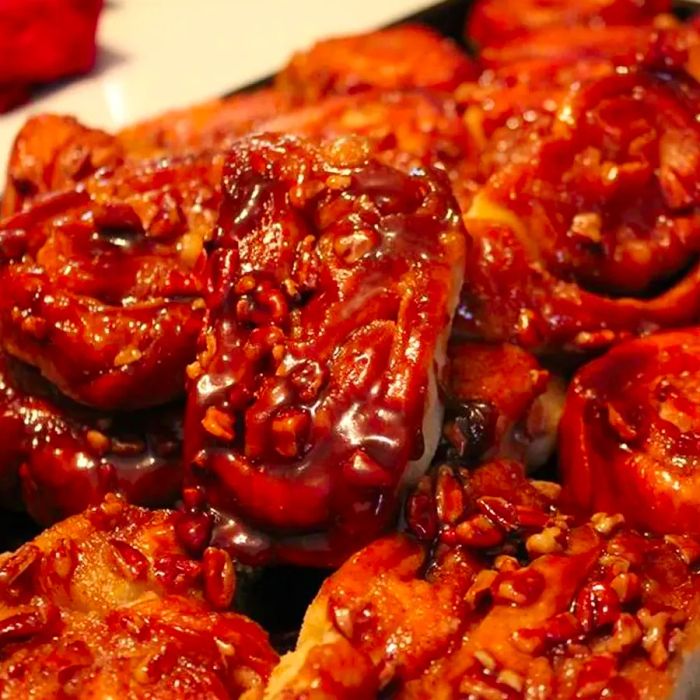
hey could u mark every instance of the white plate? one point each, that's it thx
(160, 54)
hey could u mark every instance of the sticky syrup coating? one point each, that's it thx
(628, 433)
(54, 152)
(498, 22)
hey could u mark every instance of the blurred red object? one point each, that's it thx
(44, 40)
(12, 95)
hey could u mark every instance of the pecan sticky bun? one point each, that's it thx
(400, 58)
(109, 604)
(629, 434)
(514, 103)
(54, 152)
(596, 237)
(100, 286)
(332, 279)
(289, 262)
(497, 593)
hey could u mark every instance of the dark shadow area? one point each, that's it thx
(277, 598)
(15, 530)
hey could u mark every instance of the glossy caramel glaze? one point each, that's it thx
(101, 290)
(292, 258)
(57, 457)
(510, 108)
(629, 437)
(621, 154)
(514, 103)
(498, 594)
(599, 232)
(399, 58)
(108, 604)
(331, 279)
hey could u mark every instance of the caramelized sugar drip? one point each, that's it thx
(331, 283)
(597, 235)
(57, 457)
(400, 58)
(497, 593)
(630, 433)
(101, 290)
(108, 604)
